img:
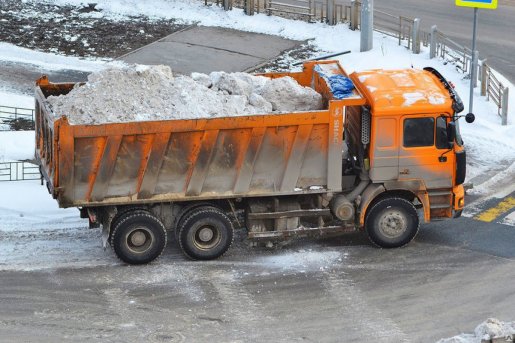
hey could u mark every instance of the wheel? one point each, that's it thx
(206, 233)
(183, 214)
(138, 237)
(120, 215)
(392, 222)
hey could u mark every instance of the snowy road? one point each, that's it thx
(58, 284)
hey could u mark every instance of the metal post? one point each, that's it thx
(249, 7)
(474, 66)
(504, 107)
(432, 48)
(354, 15)
(330, 13)
(484, 76)
(415, 36)
(367, 25)
(227, 5)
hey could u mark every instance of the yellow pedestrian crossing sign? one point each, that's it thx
(490, 4)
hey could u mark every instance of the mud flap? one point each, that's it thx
(105, 236)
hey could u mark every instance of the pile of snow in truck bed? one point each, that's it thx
(137, 93)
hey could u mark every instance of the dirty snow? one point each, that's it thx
(489, 329)
(137, 93)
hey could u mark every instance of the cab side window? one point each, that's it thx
(442, 141)
(419, 132)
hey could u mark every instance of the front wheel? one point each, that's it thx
(392, 222)
(138, 237)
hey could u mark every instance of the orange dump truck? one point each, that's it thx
(373, 160)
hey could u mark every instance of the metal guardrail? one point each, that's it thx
(16, 118)
(19, 171)
(449, 50)
(493, 89)
(461, 56)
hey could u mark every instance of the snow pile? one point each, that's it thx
(136, 93)
(489, 329)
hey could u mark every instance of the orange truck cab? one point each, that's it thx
(384, 149)
(411, 146)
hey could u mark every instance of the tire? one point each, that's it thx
(392, 222)
(184, 213)
(206, 233)
(138, 237)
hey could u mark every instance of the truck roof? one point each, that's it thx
(404, 91)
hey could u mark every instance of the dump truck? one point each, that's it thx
(379, 159)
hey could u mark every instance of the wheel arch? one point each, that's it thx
(408, 190)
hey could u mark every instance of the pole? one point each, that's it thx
(367, 25)
(473, 66)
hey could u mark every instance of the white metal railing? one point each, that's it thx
(18, 171)
(16, 118)
(493, 89)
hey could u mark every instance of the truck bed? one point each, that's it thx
(181, 160)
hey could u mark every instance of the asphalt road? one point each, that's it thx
(452, 277)
(496, 28)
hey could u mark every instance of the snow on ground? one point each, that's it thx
(49, 61)
(12, 99)
(16, 145)
(37, 234)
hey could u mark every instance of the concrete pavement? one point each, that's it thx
(207, 49)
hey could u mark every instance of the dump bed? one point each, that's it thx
(180, 160)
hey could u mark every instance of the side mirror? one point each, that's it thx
(470, 117)
(451, 132)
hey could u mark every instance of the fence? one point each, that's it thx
(15, 118)
(18, 171)
(493, 89)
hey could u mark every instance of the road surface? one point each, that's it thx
(59, 285)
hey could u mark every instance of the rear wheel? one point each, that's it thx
(392, 222)
(206, 233)
(138, 237)
(184, 213)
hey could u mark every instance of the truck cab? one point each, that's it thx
(408, 141)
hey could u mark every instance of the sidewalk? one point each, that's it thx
(207, 49)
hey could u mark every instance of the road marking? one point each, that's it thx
(494, 212)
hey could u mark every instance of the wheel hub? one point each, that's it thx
(393, 224)
(138, 238)
(205, 234)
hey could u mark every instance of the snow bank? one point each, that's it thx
(50, 61)
(16, 145)
(136, 93)
(491, 328)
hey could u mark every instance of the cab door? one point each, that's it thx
(424, 151)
